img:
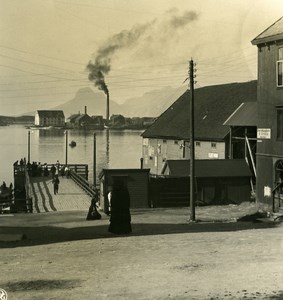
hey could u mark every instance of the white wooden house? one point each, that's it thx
(49, 118)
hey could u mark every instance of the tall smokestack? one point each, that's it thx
(107, 107)
(85, 110)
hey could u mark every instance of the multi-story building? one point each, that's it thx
(270, 115)
(169, 136)
(49, 118)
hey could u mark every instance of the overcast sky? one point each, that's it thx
(141, 45)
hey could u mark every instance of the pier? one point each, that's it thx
(34, 191)
(69, 198)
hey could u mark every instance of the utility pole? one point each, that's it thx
(66, 157)
(94, 160)
(28, 146)
(192, 142)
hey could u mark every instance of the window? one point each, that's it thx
(164, 141)
(198, 144)
(213, 145)
(279, 68)
(176, 142)
(279, 134)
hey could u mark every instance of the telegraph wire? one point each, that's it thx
(41, 55)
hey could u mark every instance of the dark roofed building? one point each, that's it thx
(244, 115)
(168, 137)
(223, 181)
(72, 118)
(82, 121)
(204, 168)
(49, 118)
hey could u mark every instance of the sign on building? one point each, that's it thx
(267, 191)
(264, 133)
(213, 155)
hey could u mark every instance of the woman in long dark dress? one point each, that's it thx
(120, 218)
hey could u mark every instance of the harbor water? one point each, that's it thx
(114, 148)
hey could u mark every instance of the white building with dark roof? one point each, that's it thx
(49, 118)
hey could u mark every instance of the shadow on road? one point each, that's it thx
(43, 235)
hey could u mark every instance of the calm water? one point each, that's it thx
(114, 149)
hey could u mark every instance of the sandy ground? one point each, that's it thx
(166, 257)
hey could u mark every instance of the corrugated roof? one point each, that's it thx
(213, 106)
(244, 115)
(51, 113)
(207, 168)
(272, 33)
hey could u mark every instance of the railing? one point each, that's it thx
(81, 170)
(84, 184)
(78, 172)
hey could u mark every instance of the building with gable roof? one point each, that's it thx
(270, 115)
(169, 136)
(49, 118)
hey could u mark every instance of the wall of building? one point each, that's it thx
(209, 150)
(156, 151)
(46, 121)
(137, 182)
(269, 96)
(36, 119)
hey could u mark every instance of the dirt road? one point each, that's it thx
(66, 257)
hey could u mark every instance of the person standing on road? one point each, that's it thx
(56, 182)
(120, 218)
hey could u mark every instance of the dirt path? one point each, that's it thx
(66, 257)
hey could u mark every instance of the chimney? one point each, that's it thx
(107, 108)
(85, 110)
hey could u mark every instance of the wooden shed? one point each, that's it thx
(137, 181)
(222, 181)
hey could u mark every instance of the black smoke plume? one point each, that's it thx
(102, 63)
(126, 38)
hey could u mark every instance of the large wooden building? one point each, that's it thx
(270, 115)
(49, 118)
(169, 136)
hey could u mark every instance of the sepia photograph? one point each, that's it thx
(141, 149)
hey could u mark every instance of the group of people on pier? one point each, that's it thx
(6, 192)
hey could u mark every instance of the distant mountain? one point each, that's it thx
(152, 103)
(95, 103)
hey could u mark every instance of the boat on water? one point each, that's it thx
(73, 144)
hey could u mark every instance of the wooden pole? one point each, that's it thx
(66, 161)
(230, 142)
(192, 143)
(29, 146)
(94, 160)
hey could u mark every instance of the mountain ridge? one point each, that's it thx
(150, 104)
